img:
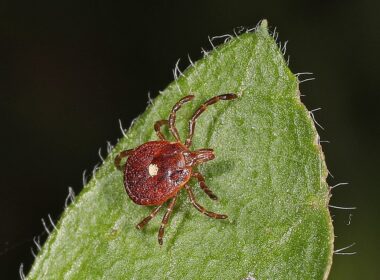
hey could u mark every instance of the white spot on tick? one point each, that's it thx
(153, 169)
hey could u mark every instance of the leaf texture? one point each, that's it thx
(269, 174)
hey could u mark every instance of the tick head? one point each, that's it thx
(199, 156)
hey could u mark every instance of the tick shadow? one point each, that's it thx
(218, 168)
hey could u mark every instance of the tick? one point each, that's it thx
(156, 171)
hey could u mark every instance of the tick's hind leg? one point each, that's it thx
(200, 208)
(157, 128)
(120, 156)
(203, 185)
(165, 220)
(146, 220)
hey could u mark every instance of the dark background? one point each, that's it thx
(70, 70)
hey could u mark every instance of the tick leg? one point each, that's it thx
(165, 219)
(203, 185)
(201, 109)
(157, 127)
(120, 156)
(172, 116)
(146, 220)
(200, 208)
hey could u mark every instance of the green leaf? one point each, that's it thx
(269, 174)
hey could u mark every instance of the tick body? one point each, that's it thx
(157, 170)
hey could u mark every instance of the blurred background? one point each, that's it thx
(69, 70)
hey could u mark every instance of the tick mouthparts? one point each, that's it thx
(200, 156)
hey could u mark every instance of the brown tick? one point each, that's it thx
(157, 170)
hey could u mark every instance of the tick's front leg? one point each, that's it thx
(157, 128)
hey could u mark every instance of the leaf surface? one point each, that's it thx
(269, 174)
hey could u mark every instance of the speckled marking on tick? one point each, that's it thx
(153, 170)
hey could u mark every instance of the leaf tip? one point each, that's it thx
(263, 26)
